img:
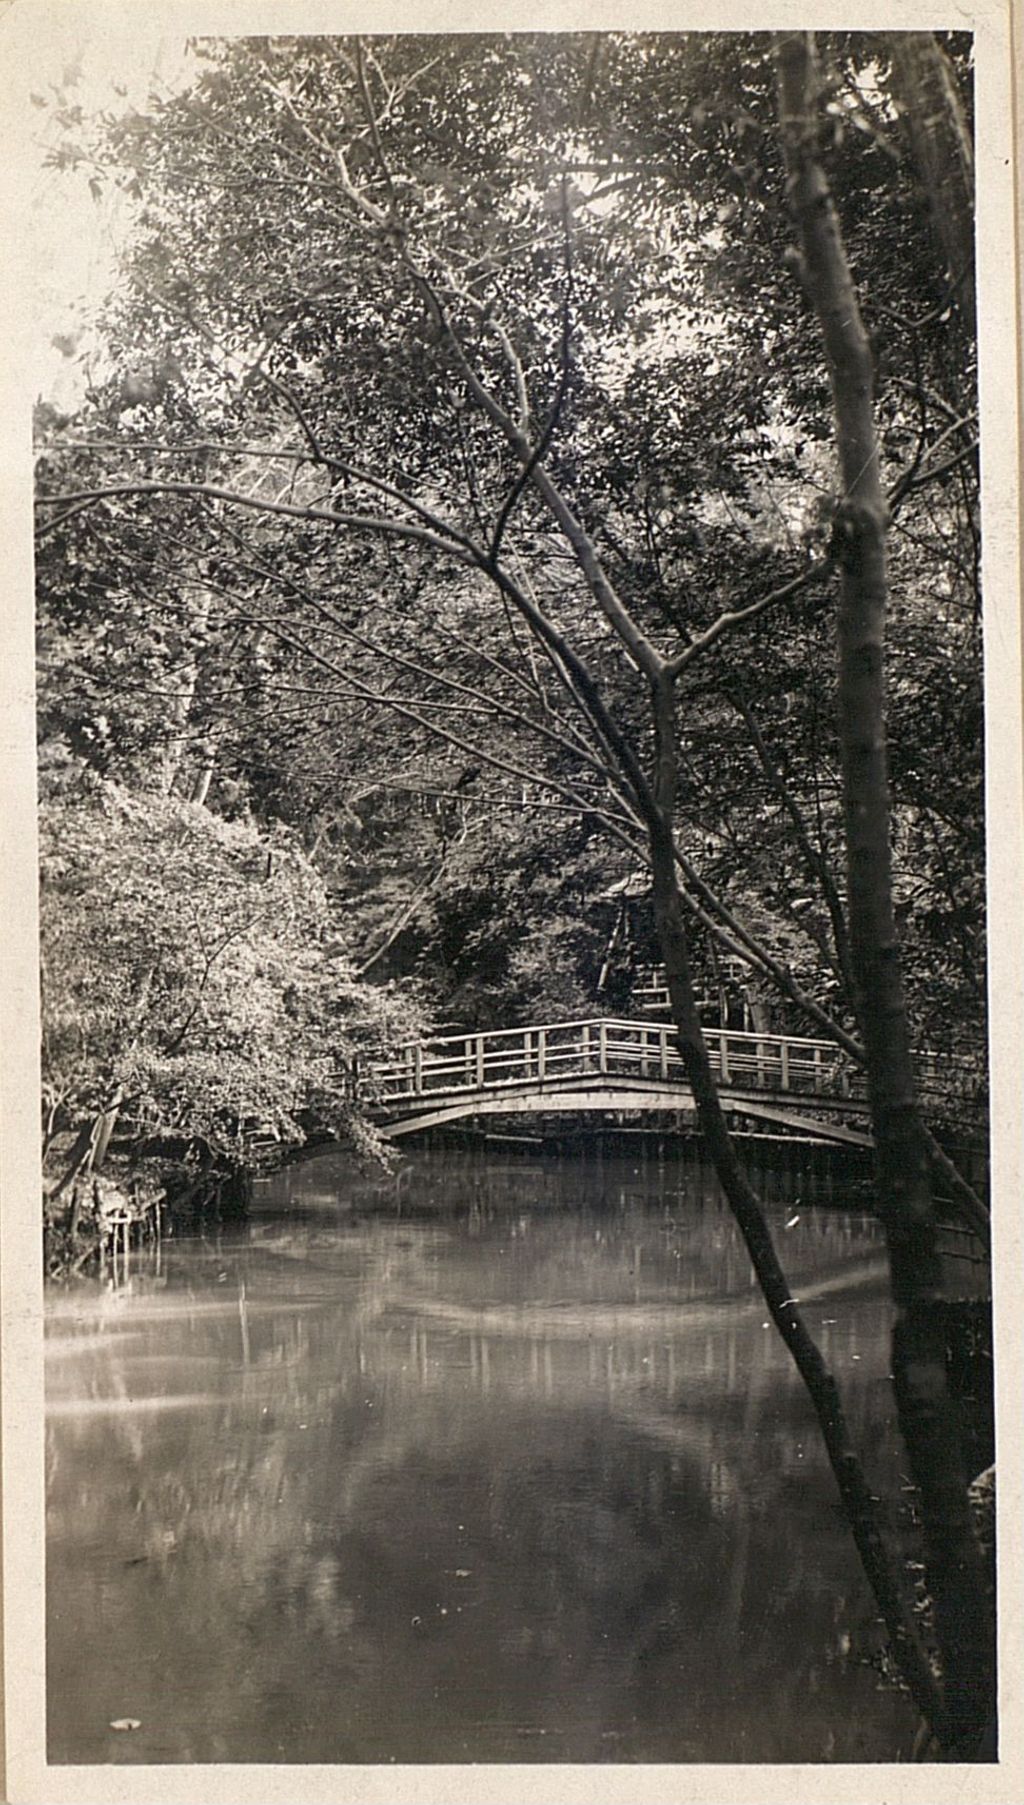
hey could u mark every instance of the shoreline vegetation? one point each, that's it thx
(94, 1210)
(133, 1203)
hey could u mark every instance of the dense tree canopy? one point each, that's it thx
(612, 247)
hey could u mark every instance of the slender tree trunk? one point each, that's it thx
(926, 90)
(105, 1126)
(859, 1504)
(204, 778)
(89, 1149)
(80, 1157)
(902, 1163)
(181, 692)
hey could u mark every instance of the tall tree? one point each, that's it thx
(904, 1187)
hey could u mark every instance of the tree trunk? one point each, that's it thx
(902, 1164)
(181, 690)
(204, 778)
(925, 88)
(106, 1123)
(81, 1156)
(859, 1504)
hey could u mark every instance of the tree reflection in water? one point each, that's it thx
(526, 1478)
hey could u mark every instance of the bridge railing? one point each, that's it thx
(551, 1051)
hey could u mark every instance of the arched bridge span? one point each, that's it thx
(610, 1066)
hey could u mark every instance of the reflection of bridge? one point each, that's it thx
(808, 1086)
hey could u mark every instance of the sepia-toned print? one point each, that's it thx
(513, 607)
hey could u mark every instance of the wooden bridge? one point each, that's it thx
(615, 1067)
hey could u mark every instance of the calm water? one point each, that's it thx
(513, 1472)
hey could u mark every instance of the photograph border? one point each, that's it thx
(30, 1779)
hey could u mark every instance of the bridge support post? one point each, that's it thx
(542, 1049)
(480, 1061)
(663, 1050)
(784, 1063)
(417, 1069)
(723, 1057)
(602, 1047)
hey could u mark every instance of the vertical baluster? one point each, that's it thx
(784, 1063)
(480, 1061)
(663, 1050)
(723, 1057)
(818, 1074)
(586, 1046)
(542, 1049)
(602, 1046)
(417, 1069)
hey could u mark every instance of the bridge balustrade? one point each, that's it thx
(544, 1054)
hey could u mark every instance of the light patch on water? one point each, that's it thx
(113, 1406)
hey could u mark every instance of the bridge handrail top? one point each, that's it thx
(796, 1043)
(631, 1025)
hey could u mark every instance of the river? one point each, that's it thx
(493, 1459)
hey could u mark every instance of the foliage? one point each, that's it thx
(621, 230)
(192, 964)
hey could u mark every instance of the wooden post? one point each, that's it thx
(480, 1061)
(585, 1046)
(817, 1072)
(602, 1046)
(644, 1067)
(542, 1049)
(663, 1050)
(417, 1069)
(784, 1062)
(761, 1069)
(723, 1057)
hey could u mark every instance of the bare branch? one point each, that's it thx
(440, 538)
(816, 863)
(540, 449)
(738, 617)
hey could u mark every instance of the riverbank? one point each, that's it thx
(100, 1217)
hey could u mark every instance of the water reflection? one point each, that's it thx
(480, 1479)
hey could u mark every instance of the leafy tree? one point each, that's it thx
(195, 983)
